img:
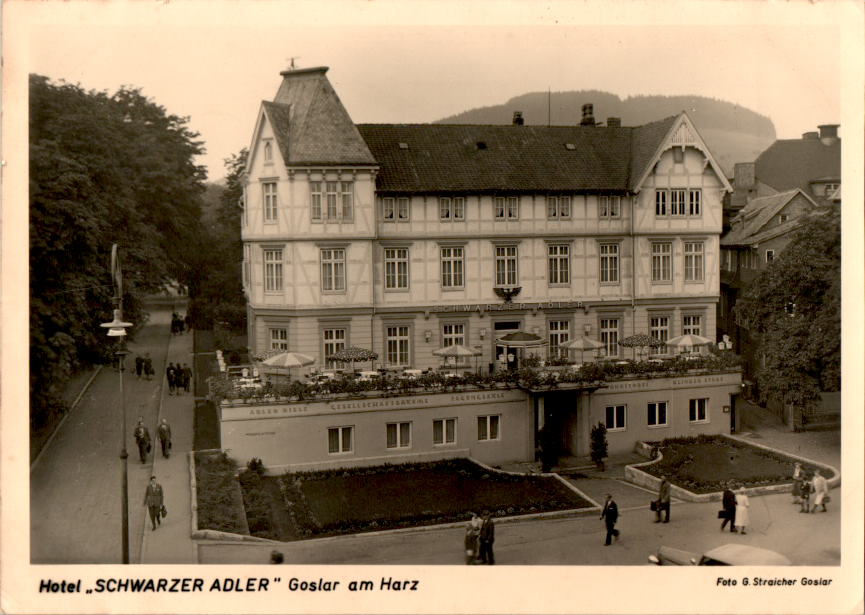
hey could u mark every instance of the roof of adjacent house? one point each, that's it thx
(748, 225)
(795, 163)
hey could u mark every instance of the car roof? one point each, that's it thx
(744, 555)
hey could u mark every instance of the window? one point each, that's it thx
(396, 268)
(692, 325)
(333, 269)
(770, 256)
(395, 209)
(659, 328)
(331, 200)
(347, 194)
(397, 344)
(615, 418)
(660, 202)
(398, 435)
(559, 265)
(783, 218)
(452, 267)
(727, 260)
(662, 262)
(488, 427)
(452, 208)
(657, 413)
(247, 250)
(315, 200)
(609, 263)
(506, 265)
(609, 206)
(279, 339)
(444, 431)
(506, 207)
(272, 269)
(610, 337)
(697, 410)
(558, 207)
(677, 202)
(453, 335)
(269, 191)
(693, 261)
(334, 341)
(339, 439)
(559, 333)
(695, 202)
(268, 151)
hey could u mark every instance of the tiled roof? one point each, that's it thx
(794, 163)
(747, 226)
(475, 158)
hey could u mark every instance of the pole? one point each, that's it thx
(124, 457)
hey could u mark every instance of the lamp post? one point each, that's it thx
(117, 328)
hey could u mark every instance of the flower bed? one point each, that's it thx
(707, 464)
(220, 506)
(336, 502)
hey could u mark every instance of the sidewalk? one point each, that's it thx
(171, 543)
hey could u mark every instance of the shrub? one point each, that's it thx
(220, 506)
(599, 444)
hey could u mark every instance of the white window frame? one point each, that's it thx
(653, 409)
(333, 339)
(342, 448)
(558, 207)
(608, 257)
(609, 336)
(448, 436)
(695, 261)
(616, 417)
(558, 332)
(661, 199)
(452, 209)
(506, 266)
(273, 269)
(346, 192)
(558, 264)
(333, 270)
(609, 206)
(659, 328)
(695, 202)
(695, 409)
(396, 269)
(692, 324)
(278, 338)
(397, 344)
(770, 256)
(316, 199)
(506, 207)
(662, 262)
(270, 201)
(452, 267)
(401, 432)
(678, 202)
(487, 423)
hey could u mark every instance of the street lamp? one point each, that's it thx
(117, 328)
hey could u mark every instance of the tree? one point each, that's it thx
(793, 309)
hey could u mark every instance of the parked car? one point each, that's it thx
(726, 555)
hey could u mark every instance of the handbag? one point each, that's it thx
(164, 511)
(148, 447)
(653, 505)
(722, 514)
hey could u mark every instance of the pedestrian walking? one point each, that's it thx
(187, 320)
(472, 539)
(663, 501)
(163, 432)
(805, 502)
(142, 439)
(610, 515)
(798, 475)
(821, 491)
(728, 501)
(154, 501)
(742, 505)
(487, 538)
(139, 366)
(187, 376)
(171, 376)
(148, 367)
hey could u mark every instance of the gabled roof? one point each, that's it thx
(310, 123)
(748, 225)
(794, 163)
(645, 142)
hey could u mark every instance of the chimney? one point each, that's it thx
(809, 135)
(588, 115)
(518, 118)
(828, 133)
(614, 122)
(744, 175)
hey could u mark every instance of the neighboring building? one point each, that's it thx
(403, 238)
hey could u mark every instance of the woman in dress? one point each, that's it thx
(742, 504)
(798, 476)
(472, 540)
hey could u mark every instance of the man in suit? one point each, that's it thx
(610, 515)
(728, 501)
(663, 501)
(142, 439)
(487, 537)
(153, 500)
(164, 434)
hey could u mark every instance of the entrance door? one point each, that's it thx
(506, 357)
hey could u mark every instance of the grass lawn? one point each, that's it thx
(708, 463)
(387, 497)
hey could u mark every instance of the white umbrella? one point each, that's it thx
(582, 344)
(688, 341)
(456, 351)
(287, 360)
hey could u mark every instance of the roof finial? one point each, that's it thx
(291, 62)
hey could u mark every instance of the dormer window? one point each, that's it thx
(783, 218)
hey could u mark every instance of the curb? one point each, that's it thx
(638, 477)
(65, 416)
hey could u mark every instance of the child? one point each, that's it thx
(806, 496)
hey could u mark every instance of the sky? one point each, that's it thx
(419, 62)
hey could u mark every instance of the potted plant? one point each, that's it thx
(599, 445)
